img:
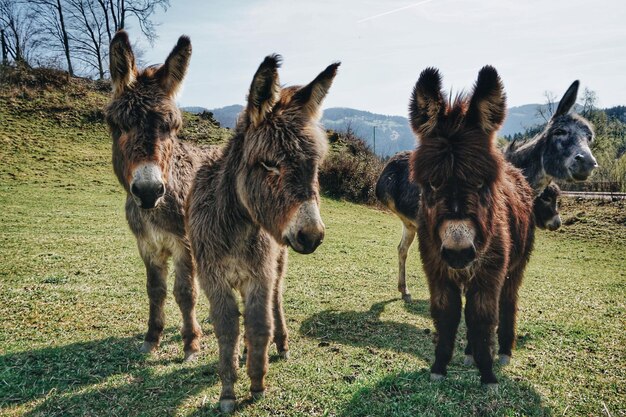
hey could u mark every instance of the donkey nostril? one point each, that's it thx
(161, 189)
(134, 189)
(301, 238)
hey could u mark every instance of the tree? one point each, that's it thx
(89, 34)
(117, 12)
(51, 18)
(19, 31)
(546, 110)
(589, 101)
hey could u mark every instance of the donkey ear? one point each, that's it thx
(172, 72)
(487, 107)
(427, 102)
(121, 62)
(568, 100)
(311, 96)
(264, 90)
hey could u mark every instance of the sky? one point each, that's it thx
(536, 46)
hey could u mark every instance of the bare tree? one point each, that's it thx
(19, 31)
(589, 101)
(89, 34)
(546, 110)
(51, 17)
(117, 12)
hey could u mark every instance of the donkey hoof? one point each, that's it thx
(190, 356)
(227, 406)
(257, 395)
(436, 377)
(284, 354)
(504, 360)
(469, 360)
(148, 347)
(491, 388)
(407, 298)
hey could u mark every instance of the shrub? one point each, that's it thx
(351, 169)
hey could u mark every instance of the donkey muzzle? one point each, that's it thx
(554, 223)
(147, 186)
(305, 231)
(582, 166)
(457, 243)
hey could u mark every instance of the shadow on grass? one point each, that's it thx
(101, 377)
(412, 393)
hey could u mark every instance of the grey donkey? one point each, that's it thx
(561, 151)
(156, 171)
(247, 207)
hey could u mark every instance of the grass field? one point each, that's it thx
(73, 307)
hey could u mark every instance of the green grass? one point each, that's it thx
(73, 307)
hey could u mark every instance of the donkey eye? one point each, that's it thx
(560, 132)
(480, 186)
(270, 167)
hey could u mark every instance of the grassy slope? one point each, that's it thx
(73, 304)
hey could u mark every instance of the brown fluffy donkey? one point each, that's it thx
(156, 170)
(475, 223)
(261, 196)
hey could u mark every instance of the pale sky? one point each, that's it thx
(536, 46)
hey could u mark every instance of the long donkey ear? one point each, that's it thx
(427, 103)
(172, 72)
(121, 62)
(264, 90)
(487, 107)
(568, 100)
(311, 96)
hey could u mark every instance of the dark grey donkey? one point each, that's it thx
(244, 209)
(560, 151)
(156, 170)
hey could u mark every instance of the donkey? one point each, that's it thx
(561, 151)
(398, 193)
(546, 208)
(475, 223)
(156, 170)
(245, 208)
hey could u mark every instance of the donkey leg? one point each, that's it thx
(225, 318)
(281, 336)
(445, 309)
(156, 284)
(481, 317)
(186, 294)
(258, 322)
(408, 234)
(508, 317)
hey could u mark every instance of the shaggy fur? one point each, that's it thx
(261, 195)
(475, 223)
(143, 120)
(561, 151)
(401, 196)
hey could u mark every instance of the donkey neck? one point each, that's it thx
(529, 158)
(228, 166)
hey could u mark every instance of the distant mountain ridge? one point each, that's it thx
(393, 133)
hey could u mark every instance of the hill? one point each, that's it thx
(393, 133)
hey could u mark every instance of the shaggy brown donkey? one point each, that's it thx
(395, 190)
(475, 223)
(244, 210)
(156, 171)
